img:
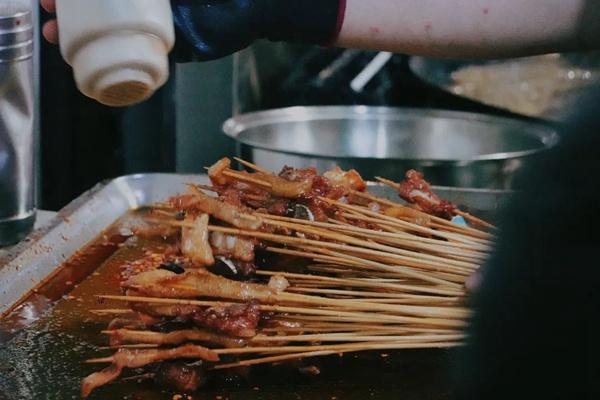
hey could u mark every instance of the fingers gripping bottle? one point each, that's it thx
(118, 48)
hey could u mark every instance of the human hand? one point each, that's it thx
(216, 28)
(50, 29)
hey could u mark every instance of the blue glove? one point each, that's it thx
(211, 29)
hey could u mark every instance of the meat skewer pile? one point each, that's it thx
(346, 271)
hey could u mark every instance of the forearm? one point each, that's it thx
(471, 28)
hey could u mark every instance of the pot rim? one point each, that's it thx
(236, 126)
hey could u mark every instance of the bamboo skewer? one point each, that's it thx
(426, 264)
(361, 336)
(362, 315)
(385, 220)
(307, 351)
(441, 266)
(311, 323)
(362, 263)
(245, 196)
(316, 326)
(252, 166)
(441, 221)
(454, 228)
(475, 220)
(392, 227)
(349, 272)
(354, 337)
(407, 225)
(465, 215)
(337, 269)
(245, 178)
(412, 310)
(373, 296)
(446, 252)
(342, 320)
(337, 350)
(450, 272)
(367, 283)
(129, 346)
(111, 312)
(448, 302)
(351, 240)
(437, 277)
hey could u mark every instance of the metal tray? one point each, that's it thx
(30, 264)
(38, 361)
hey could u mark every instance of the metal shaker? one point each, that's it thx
(17, 204)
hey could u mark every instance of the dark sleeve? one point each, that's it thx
(536, 329)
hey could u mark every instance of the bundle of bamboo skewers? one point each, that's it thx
(377, 275)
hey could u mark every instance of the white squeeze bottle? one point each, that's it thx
(118, 48)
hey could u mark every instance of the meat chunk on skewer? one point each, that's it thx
(126, 336)
(231, 246)
(125, 358)
(278, 283)
(238, 320)
(181, 377)
(160, 312)
(101, 378)
(197, 283)
(152, 259)
(215, 172)
(194, 242)
(198, 202)
(416, 190)
(281, 193)
(288, 189)
(298, 174)
(407, 213)
(334, 184)
(127, 323)
(348, 180)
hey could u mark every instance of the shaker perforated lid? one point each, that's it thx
(16, 34)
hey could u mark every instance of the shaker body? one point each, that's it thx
(118, 49)
(17, 194)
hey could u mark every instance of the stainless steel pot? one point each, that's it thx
(452, 148)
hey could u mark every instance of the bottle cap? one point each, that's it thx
(124, 87)
(121, 68)
(16, 35)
